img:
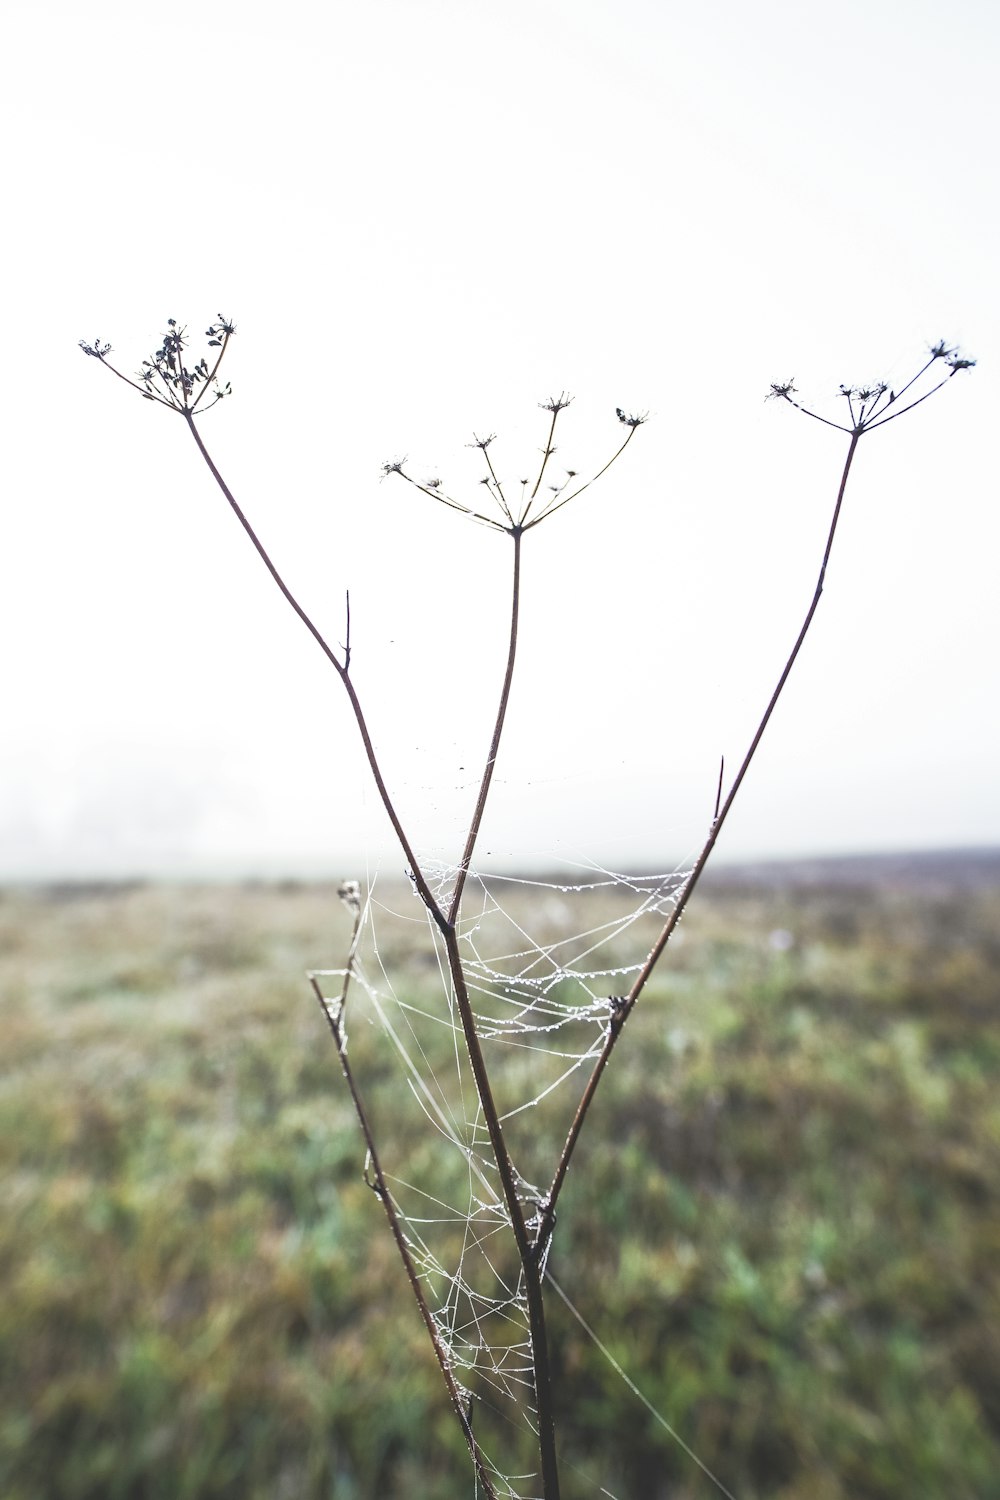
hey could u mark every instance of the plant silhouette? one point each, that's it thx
(190, 388)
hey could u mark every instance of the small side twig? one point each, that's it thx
(333, 1013)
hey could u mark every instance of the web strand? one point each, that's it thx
(544, 961)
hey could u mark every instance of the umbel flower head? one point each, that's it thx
(167, 376)
(873, 405)
(520, 504)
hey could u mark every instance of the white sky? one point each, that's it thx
(425, 218)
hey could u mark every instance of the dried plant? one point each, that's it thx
(500, 1197)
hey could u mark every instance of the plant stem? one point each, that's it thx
(447, 926)
(558, 504)
(210, 377)
(334, 1021)
(342, 672)
(547, 451)
(491, 759)
(625, 1008)
(529, 1261)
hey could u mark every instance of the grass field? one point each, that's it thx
(784, 1219)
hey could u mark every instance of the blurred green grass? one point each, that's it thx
(783, 1217)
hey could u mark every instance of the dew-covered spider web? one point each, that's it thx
(546, 961)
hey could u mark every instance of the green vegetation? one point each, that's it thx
(475, 1248)
(783, 1221)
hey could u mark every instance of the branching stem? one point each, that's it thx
(559, 503)
(447, 926)
(334, 1019)
(529, 1262)
(547, 1219)
(341, 670)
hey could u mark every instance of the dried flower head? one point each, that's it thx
(349, 892)
(538, 500)
(224, 329)
(166, 376)
(872, 405)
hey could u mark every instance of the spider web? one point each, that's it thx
(544, 962)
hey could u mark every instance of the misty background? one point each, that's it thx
(425, 218)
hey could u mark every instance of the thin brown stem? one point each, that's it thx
(146, 394)
(625, 1007)
(718, 789)
(530, 1261)
(896, 395)
(214, 371)
(333, 1013)
(446, 925)
(499, 488)
(850, 408)
(420, 881)
(530, 1264)
(817, 418)
(558, 505)
(888, 416)
(548, 450)
(442, 499)
(491, 759)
